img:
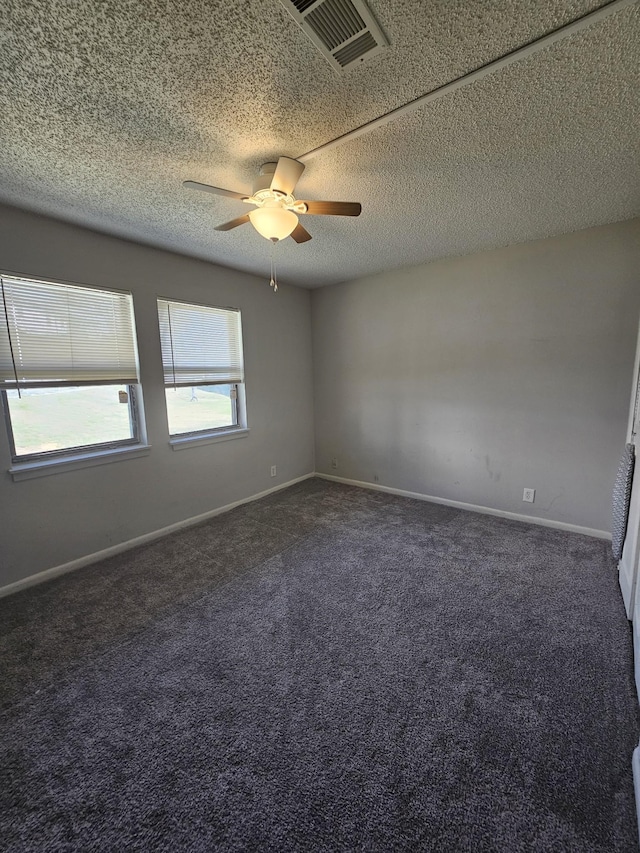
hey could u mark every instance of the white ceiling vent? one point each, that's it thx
(344, 31)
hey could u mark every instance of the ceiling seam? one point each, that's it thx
(529, 49)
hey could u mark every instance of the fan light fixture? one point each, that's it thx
(277, 209)
(274, 223)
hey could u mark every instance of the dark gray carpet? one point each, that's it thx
(328, 669)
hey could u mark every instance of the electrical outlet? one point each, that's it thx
(274, 470)
(334, 463)
(376, 479)
(529, 495)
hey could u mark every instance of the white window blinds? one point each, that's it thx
(61, 334)
(200, 345)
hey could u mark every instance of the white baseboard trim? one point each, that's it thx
(485, 510)
(635, 765)
(71, 566)
(54, 572)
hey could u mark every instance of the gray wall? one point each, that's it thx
(466, 379)
(471, 378)
(51, 520)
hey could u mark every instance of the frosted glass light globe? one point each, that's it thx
(274, 223)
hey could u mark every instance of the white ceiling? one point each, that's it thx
(107, 107)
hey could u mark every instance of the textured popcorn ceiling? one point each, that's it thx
(108, 106)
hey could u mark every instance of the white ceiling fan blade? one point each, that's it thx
(286, 175)
(194, 185)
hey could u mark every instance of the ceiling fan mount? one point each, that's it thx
(264, 196)
(276, 208)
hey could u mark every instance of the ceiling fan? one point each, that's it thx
(276, 213)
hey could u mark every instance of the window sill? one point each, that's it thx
(182, 443)
(45, 467)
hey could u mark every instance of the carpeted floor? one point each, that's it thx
(327, 669)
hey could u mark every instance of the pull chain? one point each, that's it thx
(274, 273)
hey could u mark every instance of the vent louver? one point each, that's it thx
(335, 22)
(344, 31)
(355, 49)
(302, 5)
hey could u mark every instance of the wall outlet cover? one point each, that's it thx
(274, 470)
(529, 495)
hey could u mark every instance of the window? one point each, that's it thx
(203, 368)
(68, 368)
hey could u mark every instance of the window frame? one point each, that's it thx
(198, 433)
(239, 429)
(30, 465)
(78, 449)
